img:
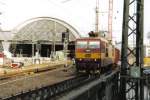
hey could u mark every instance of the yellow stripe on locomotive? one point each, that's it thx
(88, 55)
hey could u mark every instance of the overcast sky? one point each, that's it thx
(79, 13)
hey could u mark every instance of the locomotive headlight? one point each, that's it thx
(87, 50)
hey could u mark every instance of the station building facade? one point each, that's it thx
(42, 34)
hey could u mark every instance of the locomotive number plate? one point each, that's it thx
(87, 55)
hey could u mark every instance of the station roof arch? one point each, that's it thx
(43, 29)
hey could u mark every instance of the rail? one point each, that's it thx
(72, 89)
(105, 86)
(46, 92)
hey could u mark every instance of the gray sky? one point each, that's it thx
(79, 13)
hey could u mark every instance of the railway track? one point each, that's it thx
(54, 91)
(10, 73)
(51, 91)
(12, 87)
(44, 85)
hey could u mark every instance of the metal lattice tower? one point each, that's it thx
(132, 88)
(110, 18)
(97, 17)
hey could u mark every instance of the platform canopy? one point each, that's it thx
(43, 29)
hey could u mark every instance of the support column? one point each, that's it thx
(124, 48)
(131, 83)
(53, 53)
(32, 49)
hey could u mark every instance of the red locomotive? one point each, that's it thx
(95, 54)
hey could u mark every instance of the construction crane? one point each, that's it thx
(110, 17)
(97, 18)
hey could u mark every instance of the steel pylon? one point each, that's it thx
(131, 88)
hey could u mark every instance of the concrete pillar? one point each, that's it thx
(5, 45)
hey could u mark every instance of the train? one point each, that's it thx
(95, 54)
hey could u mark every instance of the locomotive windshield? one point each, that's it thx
(94, 44)
(82, 44)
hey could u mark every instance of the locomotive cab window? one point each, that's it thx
(81, 44)
(94, 44)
